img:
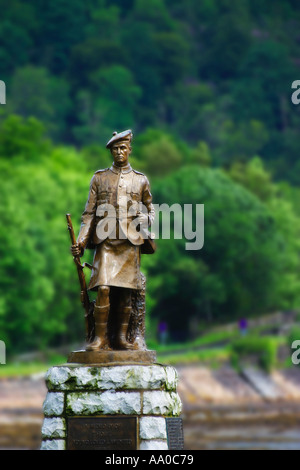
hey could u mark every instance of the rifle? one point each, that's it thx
(84, 296)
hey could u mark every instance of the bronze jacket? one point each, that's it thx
(124, 189)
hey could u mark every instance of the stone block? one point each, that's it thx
(108, 402)
(84, 403)
(153, 428)
(171, 378)
(161, 403)
(125, 377)
(56, 378)
(56, 444)
(54, 404)
(54, 428)
(127, 403)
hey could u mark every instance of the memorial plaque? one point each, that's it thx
(102, 433)
(175, 433)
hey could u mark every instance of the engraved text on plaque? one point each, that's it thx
(101, 433)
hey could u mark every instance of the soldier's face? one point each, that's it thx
(120, 152)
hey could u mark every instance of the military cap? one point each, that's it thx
(125, 135)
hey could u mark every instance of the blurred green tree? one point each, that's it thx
(19, 23)
(22, 137)
(264, 79)
(282, 201)
(240, 141)
(238, 270)
(253, 176)
(157, 153)
(110, 103)
(34, 92)
(40, 297)
(225, 40)
(61, 25)
(89, 56)
(173, 62)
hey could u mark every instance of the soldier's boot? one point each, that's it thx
(101, 337)
(123, 321)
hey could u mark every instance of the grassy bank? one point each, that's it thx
(212, 349)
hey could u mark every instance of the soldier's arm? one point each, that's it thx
(88, 216)
(147, 201)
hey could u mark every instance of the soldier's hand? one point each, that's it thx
(143, 219)
(76, 250)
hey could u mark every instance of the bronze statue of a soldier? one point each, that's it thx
(115, 224)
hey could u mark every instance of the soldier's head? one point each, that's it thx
(120, 147)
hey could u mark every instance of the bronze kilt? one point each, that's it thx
(116, 263)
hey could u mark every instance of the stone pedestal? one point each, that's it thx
(88, 406)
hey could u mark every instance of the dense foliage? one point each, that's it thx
(206, 88)
(249, 263)
(219, 71)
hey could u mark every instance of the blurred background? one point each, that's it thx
(206, 87)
